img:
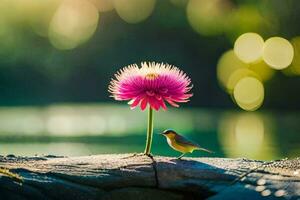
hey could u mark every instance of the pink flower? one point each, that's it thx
(153, 84)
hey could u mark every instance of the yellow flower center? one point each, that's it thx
(151, 76)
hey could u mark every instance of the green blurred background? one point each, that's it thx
(58, 56)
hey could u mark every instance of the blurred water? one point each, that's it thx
(87, 129)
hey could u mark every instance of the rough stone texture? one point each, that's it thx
(138, 177)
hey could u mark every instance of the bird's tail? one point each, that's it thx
(206, 150)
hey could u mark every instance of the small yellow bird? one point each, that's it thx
(181, 144)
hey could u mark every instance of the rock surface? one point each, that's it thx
(138, 177)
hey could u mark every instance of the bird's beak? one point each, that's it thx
(160, 134)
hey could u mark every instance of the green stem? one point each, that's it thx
(149, 132)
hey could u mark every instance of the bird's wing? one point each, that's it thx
(183, 141)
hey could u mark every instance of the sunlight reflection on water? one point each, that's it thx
(80, 129)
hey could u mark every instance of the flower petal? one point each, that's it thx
(163, 105)
(153, 103)
(172, 103)
(144, 103)
(153, 83)
(135, 102)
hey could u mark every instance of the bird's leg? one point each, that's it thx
(181, 156)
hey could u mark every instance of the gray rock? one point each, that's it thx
(130, 176)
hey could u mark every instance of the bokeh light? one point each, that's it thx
(237, 75)
(245, 61)
(15, 11)
(40, 13)
(208, 17)
(103, 5)
(264, 72)
(134, 11)
(245, 18)
(74, 22)
(230, 69)
(249, 47)
(278, 53)
(10, 26)
(249, 93)
(227, 64)
(294, 68)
